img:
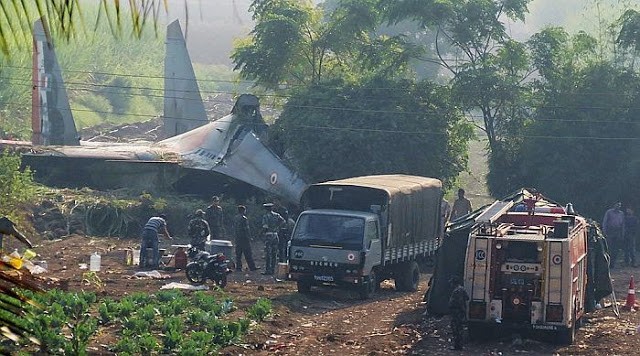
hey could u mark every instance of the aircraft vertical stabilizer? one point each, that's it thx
(51, 117)
(183, 107)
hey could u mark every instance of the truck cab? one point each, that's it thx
(334, 246)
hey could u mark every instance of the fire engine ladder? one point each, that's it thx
(494, 211)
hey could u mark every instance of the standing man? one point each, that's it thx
(155, 225)
(198, 230)
(458, 309)
(284, 234)
(613, 228)
(630, 235)
(215, 218)
(243, 236)
(462, 206)
(271, 223)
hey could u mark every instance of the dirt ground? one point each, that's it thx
(329, 321)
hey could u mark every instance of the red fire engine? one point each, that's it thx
(525, 267)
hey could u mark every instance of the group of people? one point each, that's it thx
(209, 224)
(620, 227)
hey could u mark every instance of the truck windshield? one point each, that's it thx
(329, 229)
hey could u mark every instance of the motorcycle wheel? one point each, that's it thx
(222, 281)
(195, 274)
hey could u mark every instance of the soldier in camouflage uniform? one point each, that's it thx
(198, 230)
(271, 223)
(243, 239)
(215, 218)
(285, 233)
(458, 310)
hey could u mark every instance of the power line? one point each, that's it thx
(380, 111)
(251, 83)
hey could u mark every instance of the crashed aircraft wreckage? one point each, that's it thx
(229, 146)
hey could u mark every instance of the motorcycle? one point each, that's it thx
(204, 265)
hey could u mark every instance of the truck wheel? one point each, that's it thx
(409, 277)
(368, 289)
(304, 287)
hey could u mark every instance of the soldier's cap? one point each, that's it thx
(267, 205)
(199, 212)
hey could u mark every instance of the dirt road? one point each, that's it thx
(331, 321)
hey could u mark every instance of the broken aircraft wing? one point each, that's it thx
(228, 146)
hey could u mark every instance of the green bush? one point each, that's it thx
(260, 309)
(16, 187)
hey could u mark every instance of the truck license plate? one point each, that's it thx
(323, 278)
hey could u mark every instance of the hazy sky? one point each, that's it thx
(214, 24)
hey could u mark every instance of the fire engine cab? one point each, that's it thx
(525, 268)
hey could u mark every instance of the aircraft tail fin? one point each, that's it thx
(51, 118)
(183, 106)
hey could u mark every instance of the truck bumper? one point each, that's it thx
(317, 280)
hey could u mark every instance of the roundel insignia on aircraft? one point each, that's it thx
(556, 259)
(274, 178)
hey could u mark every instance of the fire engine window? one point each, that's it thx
(522, 251)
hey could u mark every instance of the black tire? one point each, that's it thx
(408, 277)
(368, 289)
(304, 286)
(195, 273)
(222, 281)
(566, 336)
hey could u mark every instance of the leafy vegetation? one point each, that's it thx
(375, 127)
(16, 186)
(64, 322)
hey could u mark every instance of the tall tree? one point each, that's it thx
(486, 66)
(488, 70)
(295, 43)
(380, 125)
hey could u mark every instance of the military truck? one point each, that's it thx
(357, 232)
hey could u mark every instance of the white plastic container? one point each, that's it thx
(215, 246)
(94, 262)
(136, 257)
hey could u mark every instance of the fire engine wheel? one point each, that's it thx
(408, 278)
(195, 274)
(304, 287)
(567, 336)
(368, 289)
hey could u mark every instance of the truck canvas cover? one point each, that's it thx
(411, 204)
